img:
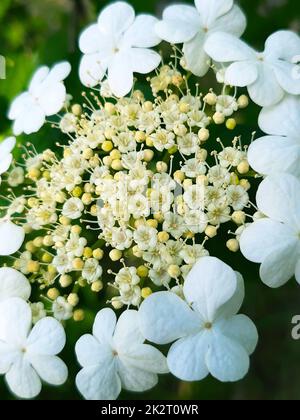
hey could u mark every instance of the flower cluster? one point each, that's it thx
(128, 208)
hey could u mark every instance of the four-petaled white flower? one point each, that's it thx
(275, 241)
(279, 152)
(193, 26)
(13, 284)
(116, 357)
(119, 45)
(211, 337)
(45, 97)
(268, 75)
(6, 157)
(29, 356)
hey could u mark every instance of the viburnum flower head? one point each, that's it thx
(119, 45)
(29, 356)
(13, 284)
(211, 338)
(280, 151)
(115, 357)
(268, 75)
(193, 26)
(274, 241)
(45, 97)
(6, 157)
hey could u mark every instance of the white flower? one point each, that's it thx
(45, 97)
(279, 152)
(193, 26)
(73, 208)
(6, 157)
(11, 237)
(237, 197)
(211, 337)
(268, 75)
(116, 357)
(16, 177)
(92, 270)
(119, 45)
(62, 310)
(146, 237)
(13, 284)
(29, 356)
(275, 241)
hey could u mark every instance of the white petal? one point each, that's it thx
(180, 24)
(241, 329)
(7, 146)
(12, 238)
(265, 91)
(23, 380)
(276, 45)
(263, 237)
(52, 98)
(209, 285)
(233, 22)
(116, 18)
(91, 71)
(38, 77)
(33, 119)
(90, 352)
(90, 40)
(186, 357)
(104, 325)
(120, 74)
(142, 33)
(212, 10)
(272, 154)
(280, 266)
(19, 105)
(226, 359)
(287, 77)
(197, 61)
(143, 60)
(135, 379)
(47, 337)
(241, 74)
(297, 272)
(234, 304)
(145, 357)
(164, 317)
(15, 321)
(59, 72)
(99, 382)
(50, 368)
(224, 48)
(8, 355)
(127, 332)
(13, 284)
(282, 119)
(5, 163)
(278, 197)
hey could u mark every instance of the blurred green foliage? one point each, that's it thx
(38, 32)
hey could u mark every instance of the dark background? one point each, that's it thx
(35, 32)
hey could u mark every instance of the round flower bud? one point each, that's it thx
(231, 123)
(163, 237)
(159, 216)
(210, 99)
(38, 242)
(78, 264)
(211, 231)
(53, 293)
(115, 154)
(115, 254)
(219, 118)
(152, 223)
(148, 155)
(65, 221)
(94, 161)
(239, 217)
(179, 176)
(110, 108)
(48, 241)
(32, 202)
(78, 315)
(117, 165)
(107, 160)
(98, 254)
(245, 184)
(116, 303)
(33, 266)
(180, 130)
(97, 286)
(233, 245)
(161, 167)
(149, 142)
(203, 134)
(184, 107)
(76, 110)
(243, 101)
(142, 271)
(34, 174)
(87, 252)
(76, 229)
(146, 292)
(87, 153)
(173, 150)
(77, 192)
(47, 258)
(148, 106)
(243, 167)
(65, 280)
(137, 252)
(60, 197)
(107, 146)
(87, 199)
(73, 299)
(202, 155)
(174, 271)
(140, 136)
(94, 210)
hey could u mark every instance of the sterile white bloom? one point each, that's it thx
(45, 97)
(268, 75)
(211, 337)
(29, 356)
(193, 26)
(11, 236)
(115, 357)
(6, 157)
(275, 241)
(13, 284)
(119, 45)
(279, 152)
